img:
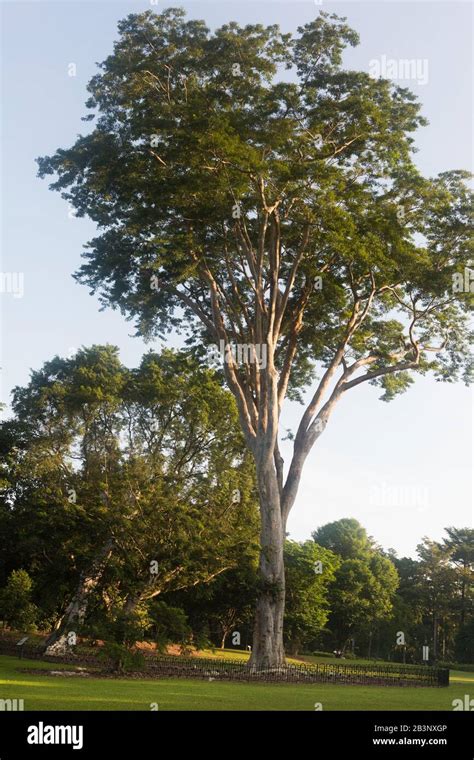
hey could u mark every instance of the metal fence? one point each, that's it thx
(235, 670)
(32, 652)
(166, 666)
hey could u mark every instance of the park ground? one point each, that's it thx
(45, 692)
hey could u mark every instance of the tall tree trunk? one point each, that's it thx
(463, 593)
(77, 607)
(435, 636)
(267, 650)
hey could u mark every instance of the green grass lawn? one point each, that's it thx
(241, 655)
(42, 692)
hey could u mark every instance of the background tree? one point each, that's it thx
(218, 610)
(464, 644)
(137, 471)
(283, 216)
(233, 599)
(16, 607)
(310, 570)
(365, 581)
(407, 617)
(460, 548)
(436, 580)
(433, 591)
(345, 537)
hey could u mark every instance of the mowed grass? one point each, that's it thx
(45, 692)
(240, 655)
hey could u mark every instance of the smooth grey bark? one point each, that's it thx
(268, 650)
(76, 610)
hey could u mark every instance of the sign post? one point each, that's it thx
(21, 644)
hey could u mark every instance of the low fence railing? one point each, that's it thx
(388, 675)
(167, 666)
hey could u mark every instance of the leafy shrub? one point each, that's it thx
(16, 608)
(468, 667)
(169, 625)
(120, 636)
(121, 657)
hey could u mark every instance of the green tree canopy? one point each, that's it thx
(139, 476)
(345, 537)
(16, 608)
(365, 580)
(310, 570)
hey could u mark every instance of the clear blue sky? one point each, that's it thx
(403, 469)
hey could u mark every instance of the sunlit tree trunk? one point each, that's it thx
(267, 650)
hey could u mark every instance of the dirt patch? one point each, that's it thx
(65, 673)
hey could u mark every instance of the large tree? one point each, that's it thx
(286, 217)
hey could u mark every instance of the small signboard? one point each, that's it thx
(20, 644)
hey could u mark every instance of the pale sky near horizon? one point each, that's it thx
(403, 469)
